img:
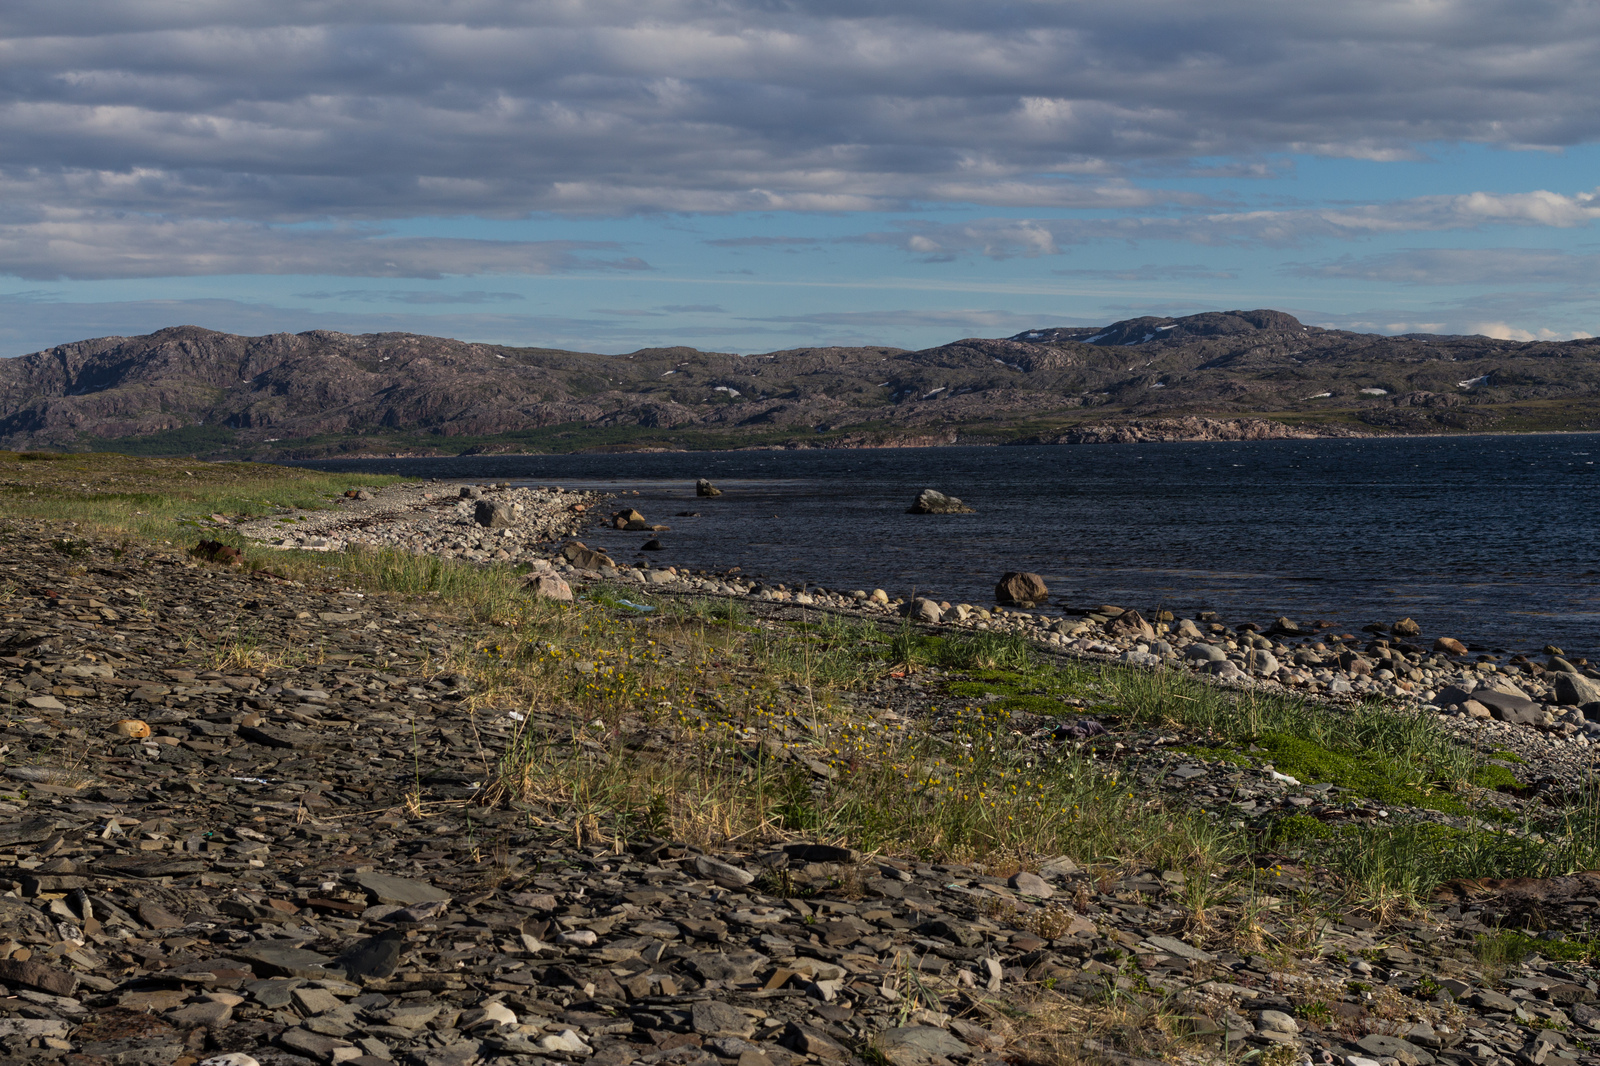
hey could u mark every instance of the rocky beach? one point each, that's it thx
(290, 804)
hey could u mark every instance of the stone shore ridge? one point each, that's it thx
(231, 864)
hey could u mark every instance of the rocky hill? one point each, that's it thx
(1229, 375)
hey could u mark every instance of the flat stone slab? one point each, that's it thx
(283, 960)
(386, 888)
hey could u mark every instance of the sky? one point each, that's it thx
(752, 175)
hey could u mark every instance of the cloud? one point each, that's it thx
(692, 309)
(959, 319)
(33, 321)
(1506, 332)
(1002, 238)
(378, 109)
(1152, 272)
(1460, 266)
(55, 244)
(409, 296)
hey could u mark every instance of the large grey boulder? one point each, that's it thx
(1509, 707)
(1574, 689)
(930, 501)
(706, 488)
(494, 514)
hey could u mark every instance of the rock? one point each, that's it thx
(1574, 689)
(1518, 710)
(809, 1041)
(1261, 662)
(715, 1018)
(1449, 645)
(494, 514)
(706, 488)
(210, 1015)
(1174, 946)
(1402, 1051)
(1131, 624)
(386, 888)
(925, 610)
(232, 1058)
(566, 1040)
(1031, 884)
(1406, 628)
(1473, 709)
(932, 502)
(1276, 1022)
(37, 975)
(584, 558)
(133, 728)
(724, 874)
(879, 597)
(1019, 589)
(1451, 695)
(653, 545)
(1204, 653)
(373, 958)
(547, 586)
(1490, 1000)
(919, 1045)
(280, 959)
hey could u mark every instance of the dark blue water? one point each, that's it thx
(1492, 539)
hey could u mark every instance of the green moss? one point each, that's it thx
(1227, 755)
(1032, 704)
(1511, 946)
(1495, 777)
(1365, 773)
(1297, 829)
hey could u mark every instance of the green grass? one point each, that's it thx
(151, 498)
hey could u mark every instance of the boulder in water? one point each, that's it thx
(1019, 589)
(704, 487)
(653, 545)
(930, 501)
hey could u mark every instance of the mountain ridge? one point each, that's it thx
(186, 389)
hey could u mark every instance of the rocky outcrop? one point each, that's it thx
(931, 501)
(1191, 429)
(704, 487)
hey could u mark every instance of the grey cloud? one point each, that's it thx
(409, 296)
(373, 110)
(78, 244)
(692, 309)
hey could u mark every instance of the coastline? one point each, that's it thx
(543, 529)
(954, 442)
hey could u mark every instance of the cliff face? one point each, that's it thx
(261, 395)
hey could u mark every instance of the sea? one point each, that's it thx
(1492, 539)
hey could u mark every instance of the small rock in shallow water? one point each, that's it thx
(930, 501)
